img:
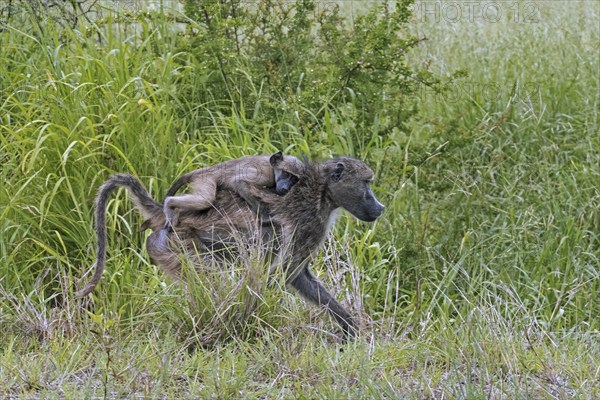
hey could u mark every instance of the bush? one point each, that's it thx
(300, 70)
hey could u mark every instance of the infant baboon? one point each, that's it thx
(240, 175)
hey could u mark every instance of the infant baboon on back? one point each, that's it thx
(240, 175)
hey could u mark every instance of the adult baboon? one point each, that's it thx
(240, 175)
(300, 221)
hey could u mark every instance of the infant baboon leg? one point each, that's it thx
(185, 202)
(311, 289)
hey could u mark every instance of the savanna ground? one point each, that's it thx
(481, 279)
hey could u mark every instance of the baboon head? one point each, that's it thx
(287, 172)
(349, 186)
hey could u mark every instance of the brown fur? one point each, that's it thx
(242, 176)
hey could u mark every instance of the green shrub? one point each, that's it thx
(303, 72)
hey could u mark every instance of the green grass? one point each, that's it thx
(481, 279)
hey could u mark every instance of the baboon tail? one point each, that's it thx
(146, 205)
(183, 180)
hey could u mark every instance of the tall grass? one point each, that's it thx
(481, 280)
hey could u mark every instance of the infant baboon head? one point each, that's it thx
(287, 171)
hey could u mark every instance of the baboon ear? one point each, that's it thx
(336, 175)
(276, 158)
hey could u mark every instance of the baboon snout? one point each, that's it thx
(284, 182)
(370, 212)
(377, 210)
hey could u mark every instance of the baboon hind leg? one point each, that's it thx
(310, 287)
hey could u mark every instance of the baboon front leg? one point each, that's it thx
(313, 290)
